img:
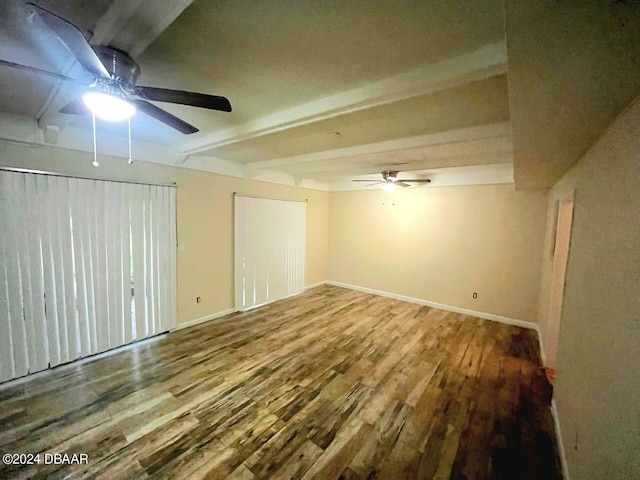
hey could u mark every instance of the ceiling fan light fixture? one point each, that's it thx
(108, 107)
(389, 186)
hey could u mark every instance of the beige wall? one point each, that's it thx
(205, 227)
(205, 222)
(597, 388)
(442, 244)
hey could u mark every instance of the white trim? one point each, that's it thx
(563, 458)
(206, 318)
(543, 356)
(419, 301)
(253, 307)
(213, 316)
(314, 285)
(80, 361)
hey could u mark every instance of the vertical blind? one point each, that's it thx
(269, 250)
(85, 266)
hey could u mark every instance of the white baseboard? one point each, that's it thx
(213, 316)
(206, 318)
(450, 308)
(304, 289)
(543, 356)
(563, 458)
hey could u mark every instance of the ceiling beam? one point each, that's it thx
(464, 161)
(464, 135)
(131, 25)
(19, 129)
(485, 62)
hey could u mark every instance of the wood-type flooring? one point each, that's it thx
(333, 383)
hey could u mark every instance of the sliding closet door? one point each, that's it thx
(85, 266)
(269, 250)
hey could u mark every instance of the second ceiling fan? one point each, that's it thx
(390, 178)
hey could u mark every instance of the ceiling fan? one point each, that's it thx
(112, 93)
(390, 179)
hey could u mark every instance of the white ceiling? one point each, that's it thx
(325, 92)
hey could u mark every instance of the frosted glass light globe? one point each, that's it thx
(108, 107)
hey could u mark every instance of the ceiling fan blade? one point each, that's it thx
(401, 183)
(76, 107)
(419, 180)
(39, 71)
(165, 117)
(74, 40)
(362, 180)
(200, 100)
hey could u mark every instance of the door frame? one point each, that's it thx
(561, 244)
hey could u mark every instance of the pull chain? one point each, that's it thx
(130, 158)
(95, 152)
(388, 193)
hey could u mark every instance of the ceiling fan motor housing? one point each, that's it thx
(390, 175)
(123, 69)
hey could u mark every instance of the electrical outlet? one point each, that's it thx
(198, 299)
(475, 295)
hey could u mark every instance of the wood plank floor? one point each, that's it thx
(331, 384)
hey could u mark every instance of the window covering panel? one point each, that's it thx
(269, 250)
(85, 266)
